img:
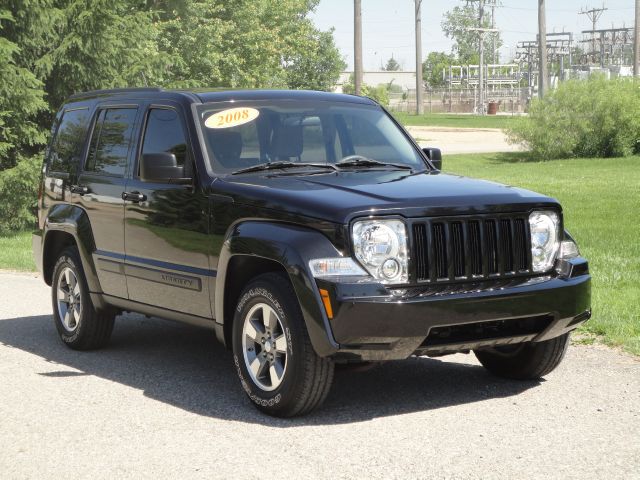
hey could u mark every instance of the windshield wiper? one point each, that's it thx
(369, 162)
(282, 165)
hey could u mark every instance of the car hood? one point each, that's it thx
(341, 196)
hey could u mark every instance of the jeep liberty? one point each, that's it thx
(306, 229)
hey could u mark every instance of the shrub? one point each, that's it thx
(592, 118)
(18, 194)
(380, 93)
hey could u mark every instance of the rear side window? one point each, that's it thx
(67, 145)
(164, 134)
(110, 141)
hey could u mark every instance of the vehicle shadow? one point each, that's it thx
(185, 367)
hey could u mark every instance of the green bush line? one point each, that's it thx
(593, 118)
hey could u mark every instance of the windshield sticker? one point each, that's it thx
(231, 117)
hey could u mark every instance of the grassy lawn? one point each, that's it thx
(15, 252)
(601, 201)
(454, 120)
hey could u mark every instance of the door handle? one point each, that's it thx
(79, 189)
(136, 197)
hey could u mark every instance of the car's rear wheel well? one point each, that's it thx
(240, 271)
(55, 243)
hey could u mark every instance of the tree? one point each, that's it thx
(433, 66)
(21, 100)
(101, 44)
(319, 67)
(456, 25)
(392, 65)
(246, 44)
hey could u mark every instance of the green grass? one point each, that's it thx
(454, 120)
(601, 202)
(15, 252)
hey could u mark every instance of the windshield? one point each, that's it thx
(240, 135)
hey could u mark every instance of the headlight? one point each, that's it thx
(545, 243)
(381, 247)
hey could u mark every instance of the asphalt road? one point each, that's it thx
(163, 401)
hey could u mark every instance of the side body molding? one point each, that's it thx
(292, 247)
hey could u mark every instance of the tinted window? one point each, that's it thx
(66, 148)
(301, 131)
(111, 140)
(165, 134)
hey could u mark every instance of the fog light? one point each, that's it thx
(390, 268)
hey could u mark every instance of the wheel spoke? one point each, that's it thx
(275, 373)
(270, 318)
(76, 314)
(252, 332)
(62, 295)
(67, 318)
(281, 344)
(76, 289)
(67, 278)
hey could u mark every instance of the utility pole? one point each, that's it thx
(481, 76)
(481, 31)
(357, 46)
(636, 42)
(594, 15)
(419, 85)
(495, 36)
(542, 46)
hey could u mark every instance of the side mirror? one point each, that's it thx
(161, 167)
(435, 155)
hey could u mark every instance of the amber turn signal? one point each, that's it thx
(327, 302)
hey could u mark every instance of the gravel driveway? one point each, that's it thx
(463, 140)
(163, 401)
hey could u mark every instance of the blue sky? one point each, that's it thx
(388, 28)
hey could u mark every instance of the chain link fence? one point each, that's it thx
(462, 100)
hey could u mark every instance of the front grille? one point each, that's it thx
(470, 248)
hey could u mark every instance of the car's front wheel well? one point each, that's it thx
(240, 271)
(55, 243)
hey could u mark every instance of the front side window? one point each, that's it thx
(165, 134)
(68, 143)
(110, 142)
(246, 133)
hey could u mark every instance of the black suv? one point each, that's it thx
(306, 229)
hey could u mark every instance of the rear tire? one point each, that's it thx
(79, 325)
(528, 361)
(278, 368)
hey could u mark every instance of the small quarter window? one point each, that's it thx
(67, 145)
(164, 134)
(110, 142)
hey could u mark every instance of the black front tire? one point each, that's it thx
(85, 328)
(307, 377)
(529, 361)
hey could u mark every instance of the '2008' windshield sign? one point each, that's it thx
(231, 117)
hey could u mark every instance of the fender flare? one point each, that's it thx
(74, 220)
(292, 247)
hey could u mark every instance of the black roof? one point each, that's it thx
(219, 95)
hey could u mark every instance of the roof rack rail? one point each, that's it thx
(116, 90)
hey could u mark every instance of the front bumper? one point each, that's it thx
(369, 323)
